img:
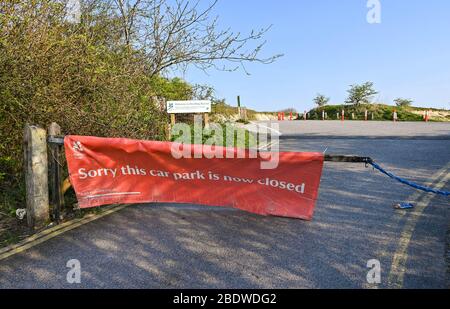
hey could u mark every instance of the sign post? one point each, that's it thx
(239, 105)
(188, 107)
(206, 119)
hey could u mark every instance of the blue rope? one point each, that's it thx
(409, 183)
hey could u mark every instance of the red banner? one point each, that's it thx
(120, 171)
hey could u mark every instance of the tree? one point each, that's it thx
(321, 100)
(203, 92)
(360, 94)
(171, 89)
(289, 110)
(97, 68)
(180, 33)
(400, 102)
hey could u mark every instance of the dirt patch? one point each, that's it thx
(265, 117)
(435, 115)
(12, 230)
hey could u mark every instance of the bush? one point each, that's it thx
(81, 76)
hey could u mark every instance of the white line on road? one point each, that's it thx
(267, 145)
(271, 129)
(398, 267)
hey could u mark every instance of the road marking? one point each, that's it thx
(271, 129)
(50, 233)
(267, 145)
(258, 125)
(398, 267)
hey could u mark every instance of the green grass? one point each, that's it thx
(217, 135)
(243, 121)
(229, 111)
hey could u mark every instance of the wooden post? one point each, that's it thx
(206, 120)
(36, 176)
(170, 126)
(55, 179)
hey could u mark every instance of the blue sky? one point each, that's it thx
(328, 45)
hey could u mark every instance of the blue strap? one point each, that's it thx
(409, 183)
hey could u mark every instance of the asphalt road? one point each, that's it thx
(174, 246)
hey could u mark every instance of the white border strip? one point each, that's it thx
(112, 194)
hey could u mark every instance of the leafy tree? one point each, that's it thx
(401, 102)
(361, 94)
(171, 89)
(101, 74)
(321, 100)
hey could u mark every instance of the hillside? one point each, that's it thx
(222, 112)
(380, 112)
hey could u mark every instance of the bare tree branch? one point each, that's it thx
(175, 35)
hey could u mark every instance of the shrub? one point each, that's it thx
(80, 76)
